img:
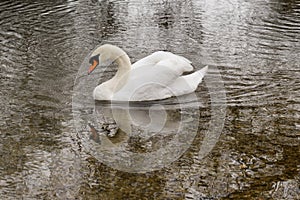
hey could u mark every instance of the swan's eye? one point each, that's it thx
(96, 57)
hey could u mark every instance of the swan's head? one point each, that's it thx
(104, 55)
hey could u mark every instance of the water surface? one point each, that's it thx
(254, 45)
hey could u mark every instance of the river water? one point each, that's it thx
(253, 46)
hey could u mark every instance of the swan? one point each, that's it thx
(155, 77)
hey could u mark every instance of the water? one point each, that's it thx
(253, 44)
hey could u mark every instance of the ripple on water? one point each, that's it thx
(255, 45)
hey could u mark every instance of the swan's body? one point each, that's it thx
(157, 76)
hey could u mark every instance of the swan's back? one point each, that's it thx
(168, 59)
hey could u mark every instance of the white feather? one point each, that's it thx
(157, 76)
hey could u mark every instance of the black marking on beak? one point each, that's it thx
(96, 57)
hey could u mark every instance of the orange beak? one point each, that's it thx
(93, 66)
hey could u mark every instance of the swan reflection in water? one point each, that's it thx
(145, 125)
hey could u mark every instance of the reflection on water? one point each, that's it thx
(255, 45)
(138, 138)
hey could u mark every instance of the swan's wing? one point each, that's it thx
(188, 83)
(147, 83)
(180, 63)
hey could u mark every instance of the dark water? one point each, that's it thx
(254, 45)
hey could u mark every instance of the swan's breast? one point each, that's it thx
(101, 92)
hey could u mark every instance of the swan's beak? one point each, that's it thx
(93, 66)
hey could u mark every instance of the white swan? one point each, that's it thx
(157, 76)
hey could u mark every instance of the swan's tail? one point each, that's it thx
(195, 78)
(202, 73)
(188, 83)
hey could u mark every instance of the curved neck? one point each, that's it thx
(120, 78)
(124, 65)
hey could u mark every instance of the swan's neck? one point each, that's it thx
(124, 66)
(120, 78)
